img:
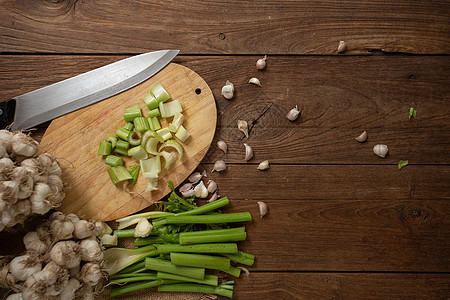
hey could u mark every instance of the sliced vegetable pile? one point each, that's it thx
(143, 139)
(179, 250)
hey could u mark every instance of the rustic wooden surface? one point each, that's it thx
(342, 223)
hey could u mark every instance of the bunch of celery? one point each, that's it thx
(182, 251)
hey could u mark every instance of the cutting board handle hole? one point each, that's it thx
(198, 91)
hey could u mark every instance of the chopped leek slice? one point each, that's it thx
(104, 148)
(122, 133)
(131, 113)
(159, 92)
(151, 146)
(118, 174)
(168, 109)
(174, 144)
(151, 167)
(150, 101)
(164, 133)
(182, 134)
(169, 158)
(138, 153)
(122, 145)
(111, 139)
(114, 160)
(141, 124)
(154, 113)
(154, 123)
(178, 119)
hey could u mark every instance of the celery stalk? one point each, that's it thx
(118, 174)
(229, 248)
(196, 288)
(215, 238)
(116, 259)
(209, 279)
(241, 257)
(157, 264)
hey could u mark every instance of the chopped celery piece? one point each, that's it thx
(122, 133)
(150, 101)
(134, 138)
(178, 119)
(152, 184)
(104, 148)
(169, 158)
(118, 174)
(111, 139)
(114, 160)
(129, 126)
(154, 113)
(164, 133)
(168, 109)
(159, 92)
(134, 172)
(151, 167)
(174, 144)
(122, 145)
(154, 123)
(141, 124)
(151, 146)
(155, 135)
(131, 113)
(108, 240)
(138, 153)
(182, 134)
(121, 151)
(145, 136)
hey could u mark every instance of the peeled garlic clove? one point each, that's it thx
(200, 190)
(255, 81)
(211, 185)
(219, 166)
(342, 46)
(213, 197)
(228, 90)
(261, 63)
(248, 152)
(195, 177)
(362, 137)
(222, 146)
(293, 114)
(380, 150)
(263, 208)
(263, 165)
(243, 126)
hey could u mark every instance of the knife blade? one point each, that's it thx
(47, 103)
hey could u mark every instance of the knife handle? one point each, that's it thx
(7, 111)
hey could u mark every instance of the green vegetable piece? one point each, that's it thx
(402, 164)
(138, 153)
(412, 113)
(209, 279)
(114, 160)
(131, 113)
(222, 238)
(116, 259)
(122, 145)
(111, 139)
(159, 92)
(164, 133)
(129, 126)
(134, 171)
(141, 124)
(122, 133)
(154, 123)
(241, 257)
(198, 248)
(118, 174)
(134, 138)
(154, 113)
(150, 101)
(121, 151)
(104, 148)
(169, 267)
(196, 288)
(199, 260)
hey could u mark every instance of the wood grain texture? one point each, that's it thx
(233, 27)
(342, 286)
(74, 139)
(339, 98)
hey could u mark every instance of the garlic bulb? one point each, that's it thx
(228, 90)
(263, 208)
(342, 46)
(219, 166)
(222, 146)
(362, 137)
(32, 242)
(91, 251)
(293, 114)
(261, 63)
(90, 274)
(22, 267)
(248, 152)
(66, 254)
(263, 165)
(380, 150)
(243, 126)
(255, 81)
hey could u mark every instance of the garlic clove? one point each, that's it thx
(228, 90)
(261, 63)
(195, 177)
(185, 187)
(342, 46)
(204, 174)
(243, 126)
(255, 81)
(263, 165)
(381, 150)
(213, 197)
(263, 208)
(188, 193)
(200, 190)
(362, 137)
(293, 114)
(222, 146)
(211, 185)
(248, 152)
(219, 166)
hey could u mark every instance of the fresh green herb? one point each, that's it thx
(402, 164)
(412, 113)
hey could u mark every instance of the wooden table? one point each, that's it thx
(343, 223)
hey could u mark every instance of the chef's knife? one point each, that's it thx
(47, 103)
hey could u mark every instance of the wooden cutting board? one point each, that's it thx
(74, 140)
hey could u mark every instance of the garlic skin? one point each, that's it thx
(263, 165)
(228, 90)
(248, 152)
(261, 63)
(255, 81)
(362, 137)
(222, 146)
(263, 208)
(243, 126)
(342, 46)
(219, 166)
(381, 150)
(293, 114)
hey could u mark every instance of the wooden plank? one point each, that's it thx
(234, 27)
(350, 235)
(342, 286)
(339, 98)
